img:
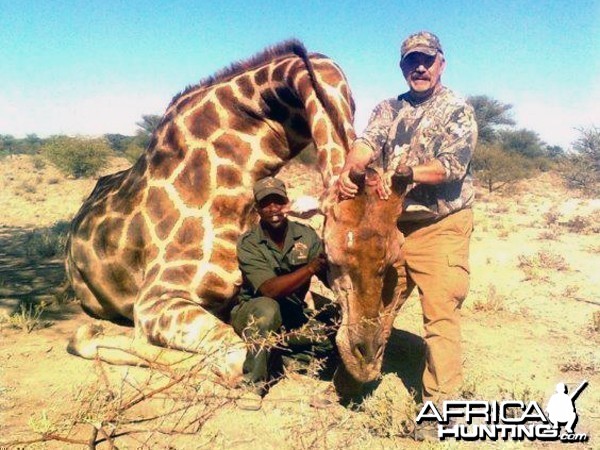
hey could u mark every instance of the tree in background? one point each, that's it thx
(77, 156)
(131, 147)
(581, 167)
(118, 142)
(490, 115)
(148, 125)
(141, 140)
(524, 142)
(496, 167)
(503, 154)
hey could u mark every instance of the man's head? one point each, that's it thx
(422, 63)
(271, 199)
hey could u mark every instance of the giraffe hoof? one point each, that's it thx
(80, 344)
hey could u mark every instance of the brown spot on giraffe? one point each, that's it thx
(204, 121)
(162, 212)
(261, 76)
(232, 147)
(228, 176)
(193, 183)
(106, 238)
(245, 86)
(182, 275)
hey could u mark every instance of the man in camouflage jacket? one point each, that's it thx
(427, 135)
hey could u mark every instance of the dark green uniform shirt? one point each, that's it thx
(260, 259)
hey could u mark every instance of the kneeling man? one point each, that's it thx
(278, 257)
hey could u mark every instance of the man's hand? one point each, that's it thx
(345, 187)
(404, 173)
(317, 264)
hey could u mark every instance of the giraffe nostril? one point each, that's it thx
(361, 349)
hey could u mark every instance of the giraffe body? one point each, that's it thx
(154, 245)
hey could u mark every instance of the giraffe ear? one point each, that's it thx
(304, 207)
(358, 178)
(399, 184)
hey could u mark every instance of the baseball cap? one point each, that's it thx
(268, 186)
(422, 42)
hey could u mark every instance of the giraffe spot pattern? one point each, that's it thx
(193, 184)
(204, 121)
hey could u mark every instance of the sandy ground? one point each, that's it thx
(528, 324)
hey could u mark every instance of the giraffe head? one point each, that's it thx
(363, 248)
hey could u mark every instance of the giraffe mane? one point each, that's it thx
(290, 46)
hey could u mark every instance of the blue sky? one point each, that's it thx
(94, 67)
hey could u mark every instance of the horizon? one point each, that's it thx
(96, 68)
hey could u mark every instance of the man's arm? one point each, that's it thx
(358, 159)
(366, 148)
(432, 172)
(455, 152)
(284, 285)
(452, 159)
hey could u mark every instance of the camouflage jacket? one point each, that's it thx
(442, 127)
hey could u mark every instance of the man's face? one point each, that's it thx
(423, 72)
(272, 210)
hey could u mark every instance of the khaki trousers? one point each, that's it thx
(436, 261)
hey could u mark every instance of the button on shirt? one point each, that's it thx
(442, 127)
(260, 259)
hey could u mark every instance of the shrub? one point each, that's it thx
(493, 303)
(552, 216)
(77, 156)
(28, 318)
(496, 167)
(38, 162)
(133, 152)
(47, 242)
(551, 234)
(581, 168)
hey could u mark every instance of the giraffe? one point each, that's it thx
(154, 245)
(363, 246)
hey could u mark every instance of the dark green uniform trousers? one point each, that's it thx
(259, 317)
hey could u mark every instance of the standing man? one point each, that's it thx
(278, 258)
(427, 136)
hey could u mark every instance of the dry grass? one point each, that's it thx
(550, 234)
(27, 318)
(389, 412)
(581, 362)
(47, 242)
(543, 259)
(492, 303)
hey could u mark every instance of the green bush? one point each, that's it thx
(48, 242)
(133, 152)
(581, 167)
(77, 156)
(496, 167)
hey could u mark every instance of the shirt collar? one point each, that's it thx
(293, 230)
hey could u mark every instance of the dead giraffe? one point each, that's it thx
(154, 245)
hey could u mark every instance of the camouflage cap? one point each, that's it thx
(268, 186)
(422, 42)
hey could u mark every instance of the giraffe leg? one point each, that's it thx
(90, 342)
(88, 290)
(178, 323)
